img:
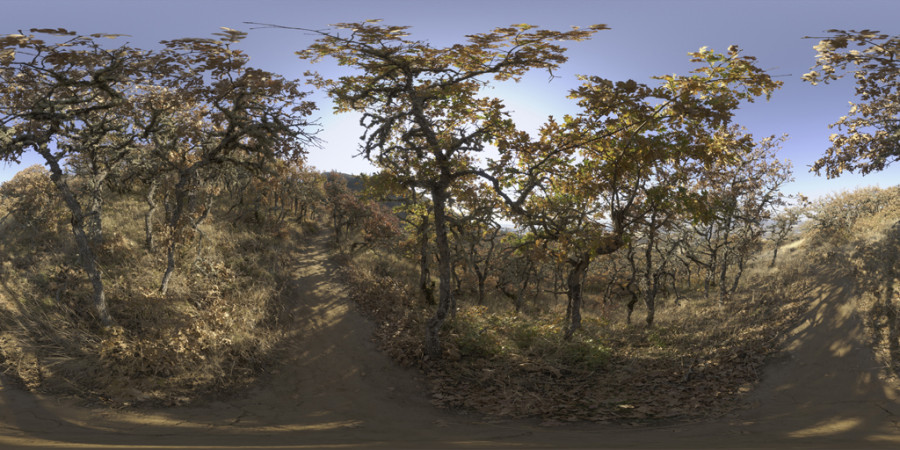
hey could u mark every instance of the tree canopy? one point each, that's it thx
(423, 111)
(868, 137)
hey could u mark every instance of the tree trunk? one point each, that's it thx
(650, 301)
(630, 286)
(170, 267)
(436, 323)
(650, 282)
(677, 292)
(148, 217)
(575, 285)
(85, 253)
(519, 300)
(538, 273)
(774, 256)
(93, 221)
(456, 290)
(630, 305)
(723, 276)
(737, 276)
(425, 284)
(723, 279)
(482, 276)
(336, 225)
(175, 218)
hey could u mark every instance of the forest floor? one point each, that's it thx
(337, 390)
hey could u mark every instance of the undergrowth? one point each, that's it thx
(699, 360)
(215, 330)
(859, 233)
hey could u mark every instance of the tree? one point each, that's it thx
(70, 99)
(216, 112)
(521, 274)
(358, 223)
(586, 181)
(743, 195)
(477, 232)
(868, 137)
(31, 199)
(783, 225)
(423, 111)
(664, 213)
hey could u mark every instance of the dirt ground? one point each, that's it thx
(337, 391)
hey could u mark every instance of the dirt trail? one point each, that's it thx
(337, 390)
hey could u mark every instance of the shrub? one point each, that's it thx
(32, 200)
(217, 328)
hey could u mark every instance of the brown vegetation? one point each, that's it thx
(698, 359)
(216, 328)
(650, 193)
(859, 233)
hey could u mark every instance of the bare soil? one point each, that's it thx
(336, 390)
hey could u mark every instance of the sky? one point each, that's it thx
(647, 38)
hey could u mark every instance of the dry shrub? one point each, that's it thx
(169, 355)
(837, 220)
(382, 288)
(217, 328)
(876, 264)
(699, 360)
(862, 231)
(31, 199)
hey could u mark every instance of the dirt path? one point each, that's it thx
(337, 391)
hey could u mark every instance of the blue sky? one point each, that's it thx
(647, 38)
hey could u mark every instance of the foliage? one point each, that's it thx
(290, 192)
(218, 329)
(837, 218)
(423, 109)
(67, 97)
(358, 223)
(868, 137)
(30, 198)
(586, 181)
(698, 361)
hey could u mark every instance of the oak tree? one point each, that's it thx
(214, 112)
(587, 180)
(868, 137)
(743, 195)
(65, 95)
(424, 112)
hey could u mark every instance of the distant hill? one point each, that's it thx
(354, 182)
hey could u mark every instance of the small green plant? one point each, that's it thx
(474, 337)
(586, 354)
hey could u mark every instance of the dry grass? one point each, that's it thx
(698, 360)
(215, 330)
(858, 232)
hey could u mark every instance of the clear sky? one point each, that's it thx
(647, 38)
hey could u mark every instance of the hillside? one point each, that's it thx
(335, 389)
